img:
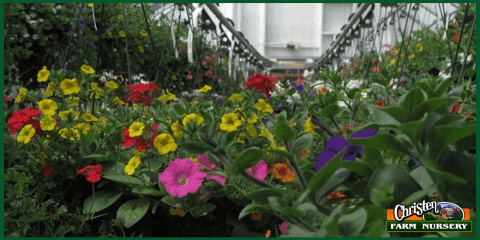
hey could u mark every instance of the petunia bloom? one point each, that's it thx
(283, 172)
(182, 177)
(92, 172)
(283, 227)
(259, 171)
(43, 75)
(204, 161)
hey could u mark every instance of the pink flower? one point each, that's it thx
(283, 227)
(376, 69)
(189, 77)
(181, 177)
(259, 171)
(204, 63)
(394, 51)
(203, 160)
(300, 81)
(386, 45)
(209, 58)
(455, 23)
(374, 61)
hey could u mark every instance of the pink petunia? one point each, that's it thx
(283, 227)
(393, 52)
(376, 69)
(181, 177)
(300, 81)
(386, 45)
(203, 160)
(259, 171)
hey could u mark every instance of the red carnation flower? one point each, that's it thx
(261, 83)
(140, 93)
(92, 172)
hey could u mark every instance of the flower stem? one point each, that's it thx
(87, 216)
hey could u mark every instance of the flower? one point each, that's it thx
(67, 133)
(181, 177)
(167, 96)
(376, 69)
(141, 49)
(46, 171)
(283, 227)
(335, 194)
(120, 17)
(236, 97)
(92, 172)
(420, 47)
(21, 94)
(84, 127)
(111, 85)
(393, 61)
(205, 89)
(259, 171)
(136, 129)
(72, 101)
(48, 123)
(454, 23)
(283, 172)
(456, 37)
(133, 164)
(24, 117)
(6, 98)
(203, 161)
(177, 131)
(251, 131)
(164, 143)
(43, 75)
(393, 51)
(456, 108)
(48, 107)
(96, 90)
(110, 34)
(88, 117)
(263, 106)
(268, 233)
(323, 90)
(118, 100)
(300, 81)
(90, 5)
(230, 122)
(64, 114)
(204, 63)
(309, 126)
(261, 83)
(256, 217)
(189, 77)
(141, 92)
(121, 33)
(374, 61)
(143, 33)
(337, 144)
(87, 69)
(69, 86)
(380, 103)
(50, 90)
(299, 88)
(128, 141)
(193, 116)
(253, 118)
(26, 134)
(241, 138)
(386, 45)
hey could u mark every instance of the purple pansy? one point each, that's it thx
(337, 144)
(299, 88)
(219, 101)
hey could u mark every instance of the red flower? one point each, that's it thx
(455, 23)
(335, 194)
(209, 58)
(458, 106)
(189, 77)
(24, 117)
(456, 37)
(380, 103)
(141, 93)
(261, 83)
(92, 172)
(138, 142)
(204, 63)
(256, 217)
(46, 171)
(6, 98)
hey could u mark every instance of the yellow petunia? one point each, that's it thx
(90, 5)
(118, 101)
(205, 89)
(143, 33)
(48, 123)
(87, 69)
(121, 33)
(177, 131)
(420, 47)
(193, 116)
(120, 17)
(251, 131)
(236, 97)
(393, 61)
(96, 90)
(111, 85)
(308, 126)
(230, 122)
(43, 75)
(21, 94)
(141, 49)
(50, 90)
(73, 101)
(110, 34)
(88, 117)
(48, 107)
(412, 56)
(64, 114)
(69, 86)
(136, 129)
(253, 118)
(263, 106)
(164, 143)
(26, 134)
(84, 127)
(241, 138)
(133, 164)
(69, 133)
(168, 96)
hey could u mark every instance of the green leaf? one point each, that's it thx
(124, 179)
(431, 105)
(173, 201)
(101, 200)
(336, 79)
(382, 141)
(173, 113)
(372, 157)
(353, 223)
(230, 137)
(351, 93)
(422, 177)
(322, 177)
(247, 159)
(179, 110)
(282, 153)
(357, 167)
(148, 191)
(283, 132)
(100, 157)
(336, 180)
(331, 99)
(418, 195)
(386, 116)
(302, 143)
(195, 147)
(443, 86)
(253, 208)
(446, 135)
(412, 99)
(331, 110)
(261, 195)
(133, 210)
(436, 172)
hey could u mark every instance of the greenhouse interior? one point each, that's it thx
(239, 120)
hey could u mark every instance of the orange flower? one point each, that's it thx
(283, 172)
(380, 103)
(344, 129)
(335, 194)
(256, 217)
(303, 154)
(268, 233)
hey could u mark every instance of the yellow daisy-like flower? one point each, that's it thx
(308, 126)
(69, 86)
(253, 118)
(393, 61)
(263, 106)
(26, 134)
(64, 114)
(87, 69)
(168, 96)
(205, 89)
(121, 33)
(110, 34)
(103, 120)
(43, 75)
(67, 133)
(420, 47)
(111, 85)
(143, 33)
(241, 138)
(164, 143)
(412, 56)
(141, 49)
(96, 90)
(118, 101)
(84, 127)
(236, 97)
(136, 129)
(21, 94)
(48, 123)
(177, 131)
(88, 117)
(48, 107)
(120, 17)
(230, 122)
(90, 5)
(251, 131)
(193, 116)
(50, 90)
(133, 164)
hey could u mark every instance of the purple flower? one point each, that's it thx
(92, 45)
(82, 23)
(65, 65)
(337, 144)
(265, 120)
(470, 18)
(48, 27)
(67, 5)
(299, 88)
(310, 93)
(219, 101)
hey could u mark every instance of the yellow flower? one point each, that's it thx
(205, 89)
(73, 101)
(42, 75)
(241, 138)
(50, 90)
(120, 17)
(174, 78)
(168, 96)
(141, 49)
(393, 61)
(48, 107)
(398, 69)
(177, 131)
(308, 126)
(194, 116)
(103, 120)
(412, 56)
(236, 97)
(64, 114)
(263, 106)
(143, 33)
(230, 122)
(111, 85)
(70, 86)
(67, 133)
(253, 118)
(21, 94)
(87, 69)
(90, 5)
(133, 164)
(136, 129)
(110, 34)
(84, 127)
(195, 160)
(96, 90)
(420, 47)
(264, 132)
(139, 153)
(363, 99)
(194, 103)
(48, 123)
(88, 117)
(26, 134)
(118, 100)
(364, 90)
(252, 132)
(164, 143)
(121, 33)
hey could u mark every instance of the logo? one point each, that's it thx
(429, 217)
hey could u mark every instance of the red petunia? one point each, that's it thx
(92, 172)
(46, 171)
(24, 117)
(6, 98)
(261, 83)
(138, 142)
(140, 93)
